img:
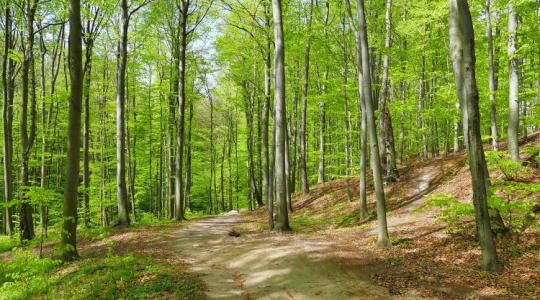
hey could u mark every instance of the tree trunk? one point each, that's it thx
(365, 83)
(187, 196)
(69, 230)
(179, 188)
(86, 132)
(27, 139)
(280, 120)
(322, 115)
(303, 125)
(229, 160)
(463, 56)
(266, 119)
(491, 76)
(513, 85)
(7, 122)
(123, 208)
(385, 122)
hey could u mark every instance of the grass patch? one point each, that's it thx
(303, 222)
(8, 242)
(113, 277)
(350, 219)
(399, 240)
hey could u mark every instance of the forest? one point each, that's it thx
(270, 149)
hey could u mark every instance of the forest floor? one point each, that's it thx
(426, 259)
(331, 253)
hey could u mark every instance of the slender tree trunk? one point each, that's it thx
(123, 207)
(491, 76)
(43, 208)
(382, 237)
(7, 122)
(322, 114)
(385, 122)
(266, 119)
(86, 132)
(69, 230)
(27, 139)
(179, 188)
(463, 55)
(229, 160)
(189, 175)
(348, 124)
(280, 119)
(513, 82)
(303, 125)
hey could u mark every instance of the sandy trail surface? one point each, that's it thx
(270, 266)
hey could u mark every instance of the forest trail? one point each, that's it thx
(270, 266)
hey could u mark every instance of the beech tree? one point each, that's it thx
(464, 64)
(280, 124)
(69, 230)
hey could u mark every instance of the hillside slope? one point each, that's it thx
(427, 257)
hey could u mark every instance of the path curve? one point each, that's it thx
(269, 266)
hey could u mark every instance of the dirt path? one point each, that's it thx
(269, 266)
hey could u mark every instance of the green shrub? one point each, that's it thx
(26, 275)
(513, 200)
(452, 211)
(511, 170)
(8, 242)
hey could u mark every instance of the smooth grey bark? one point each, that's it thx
(363, 53)
(363, 212)
(249, 99)
(179, 188)
(491, 78)
(513, 86)
(348, 124)
(122, 199)
(268, 193)
(280, 120)
(420, 108)
(90, 34)
(461, 34)
(171, 129)
(189, 175)
(322, 113)
(69, 229)
(229, 159)
(303, 121)
(7, 121)
(387, 149)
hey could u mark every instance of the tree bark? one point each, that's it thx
(280, 120)
(7, 122)
(491, 76)
(122, 199)
(463, 55)
(382, 230)
(179, 187)
(27, 138)
(513, 85)
(387, 149)
(303, 122)
(69, 230)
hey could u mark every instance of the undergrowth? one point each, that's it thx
(26, 276)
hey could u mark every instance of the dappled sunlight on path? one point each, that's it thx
(269, 266)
